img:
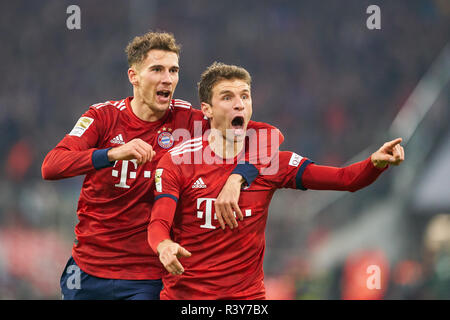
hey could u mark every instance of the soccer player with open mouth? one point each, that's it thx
(204, 261)
(116, 145)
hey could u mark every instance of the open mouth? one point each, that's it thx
(237, 122)
(163, 93)
(238, 126)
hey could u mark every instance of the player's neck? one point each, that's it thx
(144, 111)
(223, 147)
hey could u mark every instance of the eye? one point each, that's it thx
(245, 96)
(174, 70)
(157, 69)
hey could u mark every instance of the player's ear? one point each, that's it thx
(207, 110)
(132, 76)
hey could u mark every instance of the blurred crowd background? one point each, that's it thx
(330, 84)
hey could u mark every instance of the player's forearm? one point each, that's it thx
(161, 222)
(157, 234)
(61, 163)
(351, 178)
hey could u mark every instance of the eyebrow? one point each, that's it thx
(229, 91)
(161, 66)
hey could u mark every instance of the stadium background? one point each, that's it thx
(335, 89)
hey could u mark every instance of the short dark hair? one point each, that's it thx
(138, 48)
(216, 72)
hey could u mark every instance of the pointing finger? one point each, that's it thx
(391, 144)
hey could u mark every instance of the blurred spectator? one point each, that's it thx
(437, 258)
(18, 161)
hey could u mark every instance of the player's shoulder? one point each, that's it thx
(184, 109)
(180, 105)
(263, 130)
(260, 125)
(99, 113)
(108, 107)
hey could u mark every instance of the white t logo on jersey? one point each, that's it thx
(124, 173)
(208, 214)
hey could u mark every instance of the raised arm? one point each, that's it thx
(355, 176)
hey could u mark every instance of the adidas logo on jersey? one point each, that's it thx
(118, 139)
(199, 184)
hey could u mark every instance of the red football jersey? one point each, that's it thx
(225, 264)
(115, 202)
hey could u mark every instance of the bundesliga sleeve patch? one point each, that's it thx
(295, 160)
(81, 126)
(158, 181)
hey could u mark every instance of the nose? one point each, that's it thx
(239, 105)
(167, 77)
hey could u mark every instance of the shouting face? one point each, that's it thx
(230, 109)
(155, 79)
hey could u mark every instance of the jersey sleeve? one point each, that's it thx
(168, 180)
(297, 172)
(350, 178)
(77, 152)
(286, 171)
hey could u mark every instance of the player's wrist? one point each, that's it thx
(100, 159)
(377, 163)
(164, 244)
(247, 171)
(236, 178)
(111, 154)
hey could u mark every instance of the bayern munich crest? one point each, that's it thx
(165, 139)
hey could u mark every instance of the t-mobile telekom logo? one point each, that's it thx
(207, 214)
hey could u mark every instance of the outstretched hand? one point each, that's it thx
(390, 153)
(169, 252)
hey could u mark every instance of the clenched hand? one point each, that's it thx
(135, 149)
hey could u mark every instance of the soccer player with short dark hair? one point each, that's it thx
(228, 264)
(117, 145)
